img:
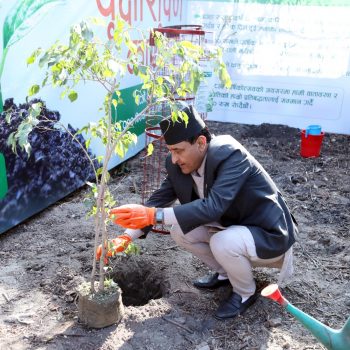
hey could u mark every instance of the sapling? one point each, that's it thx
(88, 59)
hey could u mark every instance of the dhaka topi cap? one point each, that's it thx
(178, 131)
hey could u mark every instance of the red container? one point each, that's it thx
(310, 144)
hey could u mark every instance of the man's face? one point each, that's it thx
(188, 157)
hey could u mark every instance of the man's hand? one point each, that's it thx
(133, 216)
(116, 245)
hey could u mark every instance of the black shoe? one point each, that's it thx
(233, 306)
(210, 282)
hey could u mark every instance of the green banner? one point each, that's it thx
(127, 110)
(3, 177)
(286, 2)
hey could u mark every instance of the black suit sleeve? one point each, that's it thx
(164, 196)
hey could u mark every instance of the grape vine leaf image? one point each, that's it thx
(56, 167)
(20, 20)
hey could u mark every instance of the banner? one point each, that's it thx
(57, 166)
(288, 60)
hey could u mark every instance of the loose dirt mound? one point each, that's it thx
(44, 259)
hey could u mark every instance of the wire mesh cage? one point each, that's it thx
(154, 165)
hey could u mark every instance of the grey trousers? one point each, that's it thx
(231, 252)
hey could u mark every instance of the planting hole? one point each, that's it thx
(139, 281)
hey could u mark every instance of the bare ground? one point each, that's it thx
(45, 258)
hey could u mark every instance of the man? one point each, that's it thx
(231, 214)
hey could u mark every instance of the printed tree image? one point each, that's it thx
(21, 19)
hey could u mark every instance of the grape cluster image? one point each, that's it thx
(56, 166)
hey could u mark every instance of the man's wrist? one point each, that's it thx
(159, 216)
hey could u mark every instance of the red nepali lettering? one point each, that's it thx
(106, 11)
(150, 4)
(126, 16)
(133, 11)
(109, 11)
(167, 8)
(141, 10)
(170, 7)
(177, 6)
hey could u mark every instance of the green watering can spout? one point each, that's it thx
(332, 339)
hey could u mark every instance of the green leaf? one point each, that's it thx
(27, 147)
(115, 66)
(8, 117)
(43, 83)
(98, 21)
(150, 149)
(34, 89)
(63, 94)
(132, 248)
(120, 149)
(132, 47)
(86, 32)
(99, 171)
(91, 184)
(43, 60)
(120, 24)
(35, 109)
(73, 95)
(189, 45)
(30, 60)
(11, 141)
(33, 56)
(184, 116)
(23, 17)
(225, 77)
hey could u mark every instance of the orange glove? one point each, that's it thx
(133, 216)
(116, 245)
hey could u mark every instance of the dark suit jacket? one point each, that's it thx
(237, 190)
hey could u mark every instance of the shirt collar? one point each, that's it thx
(200, 170)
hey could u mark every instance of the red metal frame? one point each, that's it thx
(154, 164)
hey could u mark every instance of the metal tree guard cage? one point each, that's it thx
(154, 165)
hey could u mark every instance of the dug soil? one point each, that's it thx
(44, 259)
